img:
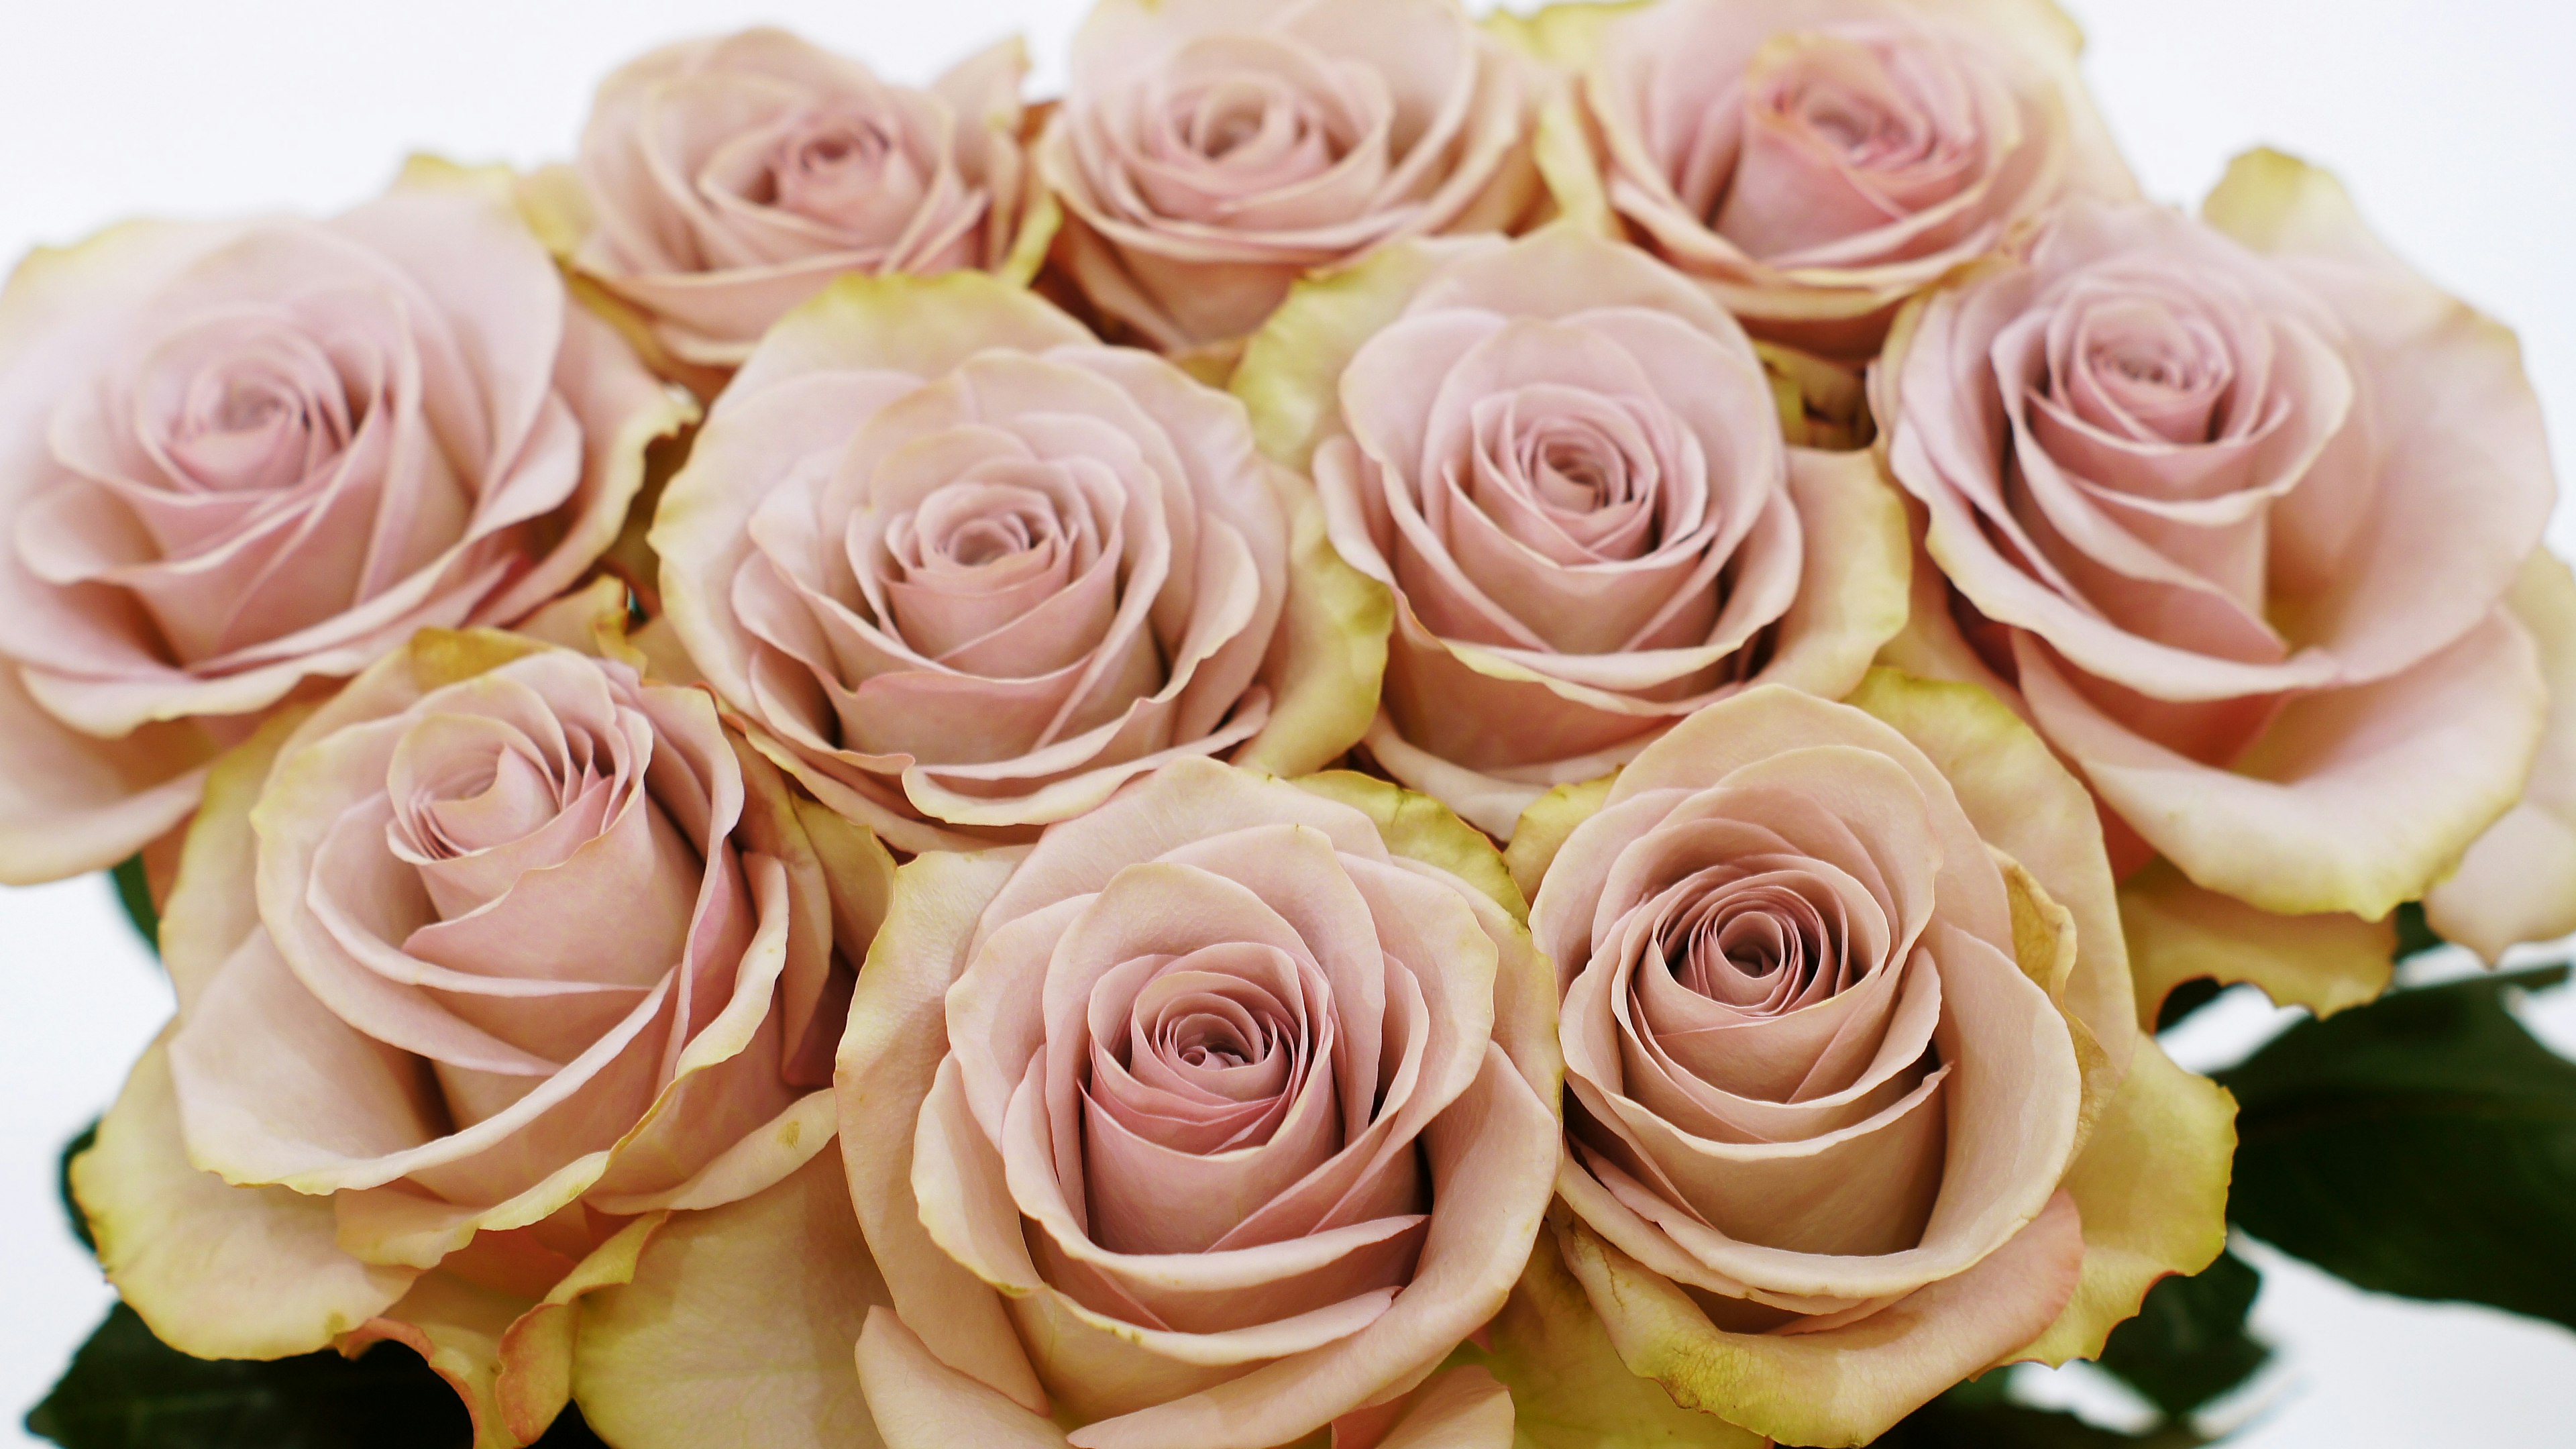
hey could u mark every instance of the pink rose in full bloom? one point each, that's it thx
(1857, 1104)
(1224, 1114)
(1818, 161)
(963, 570)
(243, 460)
(1210, 152)
(485, 969)
(2233, 509)
(724, 180)
(1565, 463)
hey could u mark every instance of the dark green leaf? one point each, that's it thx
(2186, 998)
(1978, 1416)
(2424, 1145)
(63, 1185)
(135, 894)
(127, 1390)
(2188, 1344)
(2415, 935)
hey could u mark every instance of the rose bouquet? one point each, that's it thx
(1391, 731)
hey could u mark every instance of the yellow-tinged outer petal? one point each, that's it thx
(924, 326)
(1418, 827)
(1562, 35)
(2275, 202)
(890, 1054)
(738, 1329)
(1291, 375)
(2179, 932)
(1545, 825)
(1859, 566)
(920, 1403)
(213, 905)
(2025, 804)
(1569, 1388)
(1570, 165)
(2046, 947)
(2518, 882)
(457, 1327)
(1836, 1386)
(215, 1270)
(537, 1349)
(590, 620)
(2151, 1184)
(1329, 658)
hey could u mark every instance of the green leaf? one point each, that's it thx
(2186, 998)
(128, 1390)
(2415, 935)
(2422, 1145)
(134, 892)
(1978, 1416)
(63, 1185)
(2188, 1344)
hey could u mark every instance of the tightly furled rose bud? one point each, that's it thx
(1565, 462)
(240, 459)
(965, 570)
(722, 181)
(1816, 162)
(2234, 508)
(1857, 1105)
(487, 967)
(1210, 152)
(1223, 1114)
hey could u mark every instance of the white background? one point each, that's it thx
(2452, 120)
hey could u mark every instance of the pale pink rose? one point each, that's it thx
(2235, 507)
(1210, 152)
(963, 570)
(496, 959)
(242, 459)
(1818, 161)
(1565, 462)
(722, 181)
(1856, 1099)
(1222, 1115)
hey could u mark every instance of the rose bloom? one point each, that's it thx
(1220, 1116)
(1857, 1105)
(484, 969)
(2233, 510)
(1816, 162)
(724, 180)
(239, 460)
(1564, 461)
(1210, 152)
(963, 570)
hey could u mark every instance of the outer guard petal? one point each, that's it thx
(2178, 932)
(215, 1270)
(1568, 1385)
(738, 1327)
(2152, 1187)
(2518, 882)
(1838, 1386)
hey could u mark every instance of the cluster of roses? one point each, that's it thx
(1899, 601)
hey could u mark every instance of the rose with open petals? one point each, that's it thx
(1818, 161)
(722, 181)
(1210, 152)
(1857, 1105)
(2236, 508)
(240, 458)
(485, 968)
(964, 570)
(1221, 1115)
(1565, 462)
